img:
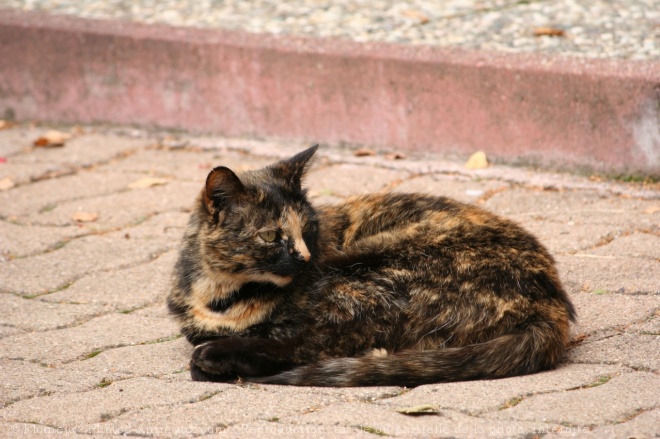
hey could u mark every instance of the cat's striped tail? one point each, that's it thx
(539, 347)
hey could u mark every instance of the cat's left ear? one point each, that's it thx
(292, 170)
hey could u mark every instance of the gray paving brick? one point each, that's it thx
(24, 429)
(642, 425)
(344, 419)
(80, 409)
(123, 289)
(614, 401)
(100, 333)
(351, 179)
(288, 430)
(633, 350)
(49, 271)
(609, 273)
(34, 315)
(43, 196)
(240, 405)
(122, 209)
(22, 240)
(602, 311)
(79, 152)
(186, 164)
(478, 396)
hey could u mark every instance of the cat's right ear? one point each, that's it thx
(222, 188)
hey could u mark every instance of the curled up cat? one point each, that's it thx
(382, 289)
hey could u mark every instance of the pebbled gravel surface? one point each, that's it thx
(625, 29)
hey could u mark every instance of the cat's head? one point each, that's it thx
(258, 226)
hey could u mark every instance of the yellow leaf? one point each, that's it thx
(85, 217)
(6, 183)
(147, 182)
(477, 160)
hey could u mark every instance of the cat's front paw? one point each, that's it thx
(211, 363)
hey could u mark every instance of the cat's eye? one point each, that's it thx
(268, 235)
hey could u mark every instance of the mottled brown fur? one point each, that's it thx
(439, 290)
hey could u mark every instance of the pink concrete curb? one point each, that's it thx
(578, 113)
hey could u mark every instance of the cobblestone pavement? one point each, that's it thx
(88, 236)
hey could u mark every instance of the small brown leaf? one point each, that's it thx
(147, 182)
(6, 183)
(6, 124)
(52, 139)
(419, 410)
(547, 31)
(411, 13)
(85, 217)
(395, 156)
(364, 152)
(477, 160)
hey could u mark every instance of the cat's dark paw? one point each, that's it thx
(210, 362)
(236, 357)
(197, 374)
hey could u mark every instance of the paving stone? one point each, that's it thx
(124, 289)
(14, 141)
(456, 187)
(18, 241)
(643, 425)
(23, 379)
(602, 311)
(602, 274)
(588, 207)
(475, 397)
(186, 164)
(23, 429)
(565, 237)
(6, 331)
(283, 429)
(122, 209)
(640, 352)
(34, 315)
(343, 419)
(151, 359)
(147, 360)
(90, 254)
(614, 401)
(351, 179)
(233, 404)
(43, 196)
(635, 245)
(100, 333)
(79, 152)
(80, 409)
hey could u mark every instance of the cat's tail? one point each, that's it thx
(539, 347)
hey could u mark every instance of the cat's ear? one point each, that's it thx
(292, 170)
(222, 188)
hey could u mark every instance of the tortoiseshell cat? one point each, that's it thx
(383, 289)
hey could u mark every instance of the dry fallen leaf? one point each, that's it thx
(477, 160)
(52, 139)
(423, 19)
(5, 124)
(147, 182)
(6, 183)
(395, 156)
(547, 31)
(364, 152)
(85, 217)
(419, 410)
(651, 210)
